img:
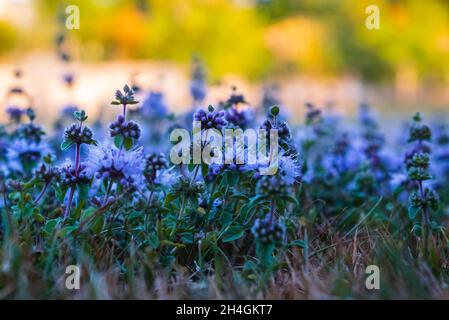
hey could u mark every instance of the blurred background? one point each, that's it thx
(317, 51)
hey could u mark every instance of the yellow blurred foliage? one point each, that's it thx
(298, 40)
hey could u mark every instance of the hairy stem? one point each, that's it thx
(108, 192)
(124, 111)
(41, 194)
(180, 214)
(425, 223)
(77, 158)
(69, 203)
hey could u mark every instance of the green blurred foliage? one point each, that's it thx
(317, 37)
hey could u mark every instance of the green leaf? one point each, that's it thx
(66, 144)
(233, 233)
(249, 266)
(153, 241)
(169, 198)
(87, 213)
(83, 191)
(118, 141)
(97, 224)
(265, 253)
(216, 195)
(50, 226)
(39, 218)
(290, 199)
(255, 200)
(233, 178)
(68, 230)
(128, 143)
(204, 169)
(80, 115)
(47, 159)
(274, 110)
(297, 243)
(412, 212)
(239, 196)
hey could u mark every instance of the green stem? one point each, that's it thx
(69, 203)
(41, 194)
(180, 214)
(425, 223)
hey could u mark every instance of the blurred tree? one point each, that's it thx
(271, 36)
(8, 37)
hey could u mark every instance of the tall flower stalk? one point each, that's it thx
(75, 177)
(424, 199)
(125, 133)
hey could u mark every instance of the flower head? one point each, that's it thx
(79, 135)
(210, 119)
(26, 153)
(125, 97)
(127, 129)
(289, 168)
(272, 186)
(121, 166)
(239, 118)
(153, 164)
(15, 114)
(154, 105)
(47, 173)
(281, 127)
(72, 177)
(267, 230)
(31, 132)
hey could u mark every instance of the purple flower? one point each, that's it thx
(268, 230)
(153, 164)
(238, 118)
(127, 129)
(272, 186)
(281, 127)
(25, 154)
(121, 166)
(154, 106)
(210, 119)
(31, 132)
(198, 82)
(77, 134)
(15, 114)
(289, 169)
(70, 177)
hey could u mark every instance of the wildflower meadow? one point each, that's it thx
(111, 199)
(233, 196)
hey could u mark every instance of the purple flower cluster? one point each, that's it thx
(210, 119)
(126, 129)
(153, 164)
(267, 230)
(72, 176)
(77, 134)
(239, 118)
